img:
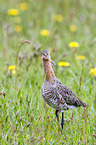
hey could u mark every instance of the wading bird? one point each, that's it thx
(54, 92)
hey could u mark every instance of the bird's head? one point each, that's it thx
(46, 56)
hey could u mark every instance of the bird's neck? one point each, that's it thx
(49, 73)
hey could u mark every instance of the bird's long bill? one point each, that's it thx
(52, 62)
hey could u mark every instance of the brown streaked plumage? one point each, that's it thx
(54, 92)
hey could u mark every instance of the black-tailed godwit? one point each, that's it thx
(54, 92)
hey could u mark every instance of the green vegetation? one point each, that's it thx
(24, 118)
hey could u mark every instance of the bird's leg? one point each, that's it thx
(62, 123)
(56, 113)
(57, 116)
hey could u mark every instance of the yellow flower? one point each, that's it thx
(23, 6)
(81, 57)
(11, 67)
(13, 12)
(93, 71)
(73, 28)
(64, 64)
(13, 72)
(18, 28)
(58, 18)
(45, 32)
(73, 44)
(17, 19)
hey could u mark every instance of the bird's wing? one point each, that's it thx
(67, 94)
(61, 101)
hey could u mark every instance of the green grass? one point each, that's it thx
(24, 119)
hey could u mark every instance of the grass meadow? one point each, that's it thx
(67, 28)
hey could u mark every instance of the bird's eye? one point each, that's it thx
(44, 54)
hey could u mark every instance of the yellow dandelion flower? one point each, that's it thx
(93, 71)
(18, 28)
(17, 19)
(13, 72)
(23, 6)
(45, 32)
(11, 67)
(58, 18)
(64, 64)
(81, 57)
(13, 12)
(73, 44)
(73, 28)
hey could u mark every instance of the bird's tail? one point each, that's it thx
(84, 104)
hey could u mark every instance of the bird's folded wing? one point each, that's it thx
(67, 94)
